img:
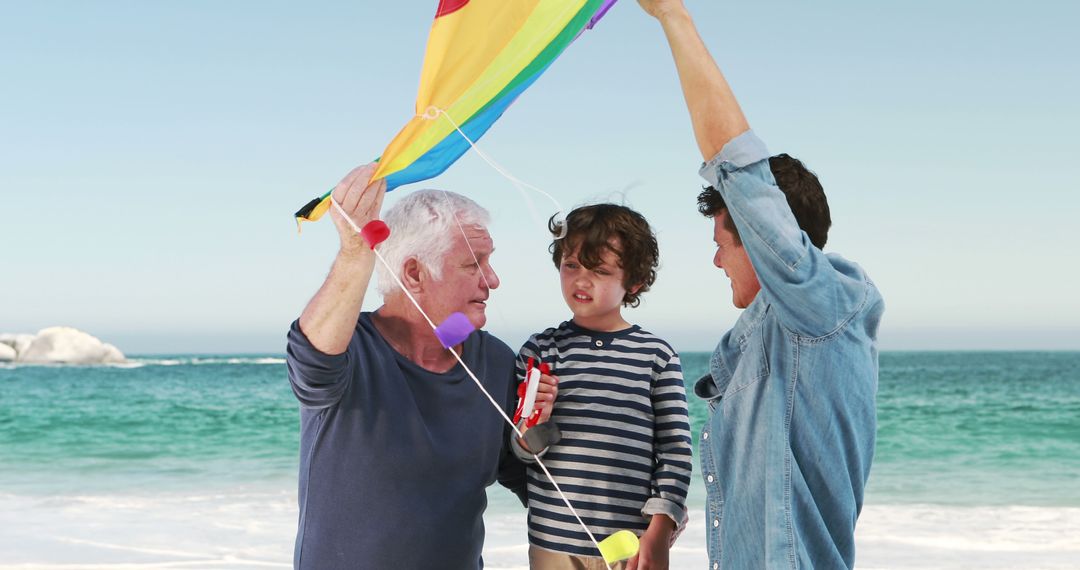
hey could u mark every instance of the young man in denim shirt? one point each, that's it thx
(787, 447)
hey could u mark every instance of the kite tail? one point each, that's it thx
(313, 210)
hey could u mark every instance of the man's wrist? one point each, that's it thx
(357, 251)
(674, 16)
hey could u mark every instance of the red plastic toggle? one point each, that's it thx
(375, 232)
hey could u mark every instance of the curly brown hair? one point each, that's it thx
(804, 194)
(592, 229)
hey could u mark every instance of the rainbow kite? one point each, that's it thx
(481, 54)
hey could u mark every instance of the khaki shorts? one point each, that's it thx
(541, 559)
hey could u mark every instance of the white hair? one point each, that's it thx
(421, 227)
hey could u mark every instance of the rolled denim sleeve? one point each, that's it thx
(318, 379)
(812, 296)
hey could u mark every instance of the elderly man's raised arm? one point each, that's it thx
(330, 317)
(714, 112)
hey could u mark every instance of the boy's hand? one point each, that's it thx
(546, 392)
(654, 546)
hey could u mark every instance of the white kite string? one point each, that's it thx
(434, 112)
(476, 380)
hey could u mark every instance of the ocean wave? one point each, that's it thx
(141, 362)
(209, 360)
(17, 365)
(153, 361)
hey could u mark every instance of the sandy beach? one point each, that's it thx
(254, 528)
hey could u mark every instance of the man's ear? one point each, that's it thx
(413, 275)
(634, 289)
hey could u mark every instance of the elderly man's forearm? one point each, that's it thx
(330, 317)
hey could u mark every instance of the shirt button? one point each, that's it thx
(715, 565)
(709, 478)
(715, 523)
(705, 435)
(599, 343)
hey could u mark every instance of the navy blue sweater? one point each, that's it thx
(394, 459)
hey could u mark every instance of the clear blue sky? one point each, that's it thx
(152, 153)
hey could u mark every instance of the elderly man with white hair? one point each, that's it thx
(397, 444)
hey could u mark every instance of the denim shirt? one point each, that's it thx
(786, 450)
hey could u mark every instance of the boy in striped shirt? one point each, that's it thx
(624, 459)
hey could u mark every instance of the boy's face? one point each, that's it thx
(595, 296)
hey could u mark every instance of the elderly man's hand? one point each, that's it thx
(659, 8)
(362, 200)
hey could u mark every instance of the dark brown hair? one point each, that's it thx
(804, 194)
(592, 229)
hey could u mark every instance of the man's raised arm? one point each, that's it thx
(714, 112)
(330, 317)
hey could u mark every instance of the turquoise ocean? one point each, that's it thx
(190, 461)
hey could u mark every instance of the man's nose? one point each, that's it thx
(491, 279)
(718, 260)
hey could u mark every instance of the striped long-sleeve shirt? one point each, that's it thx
(625, 453)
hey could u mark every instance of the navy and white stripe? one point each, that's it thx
(625, 451)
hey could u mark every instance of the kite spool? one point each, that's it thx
(527, 393)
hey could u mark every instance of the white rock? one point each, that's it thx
(7, 353)
(71, 346)
(112, 354)
(20, 342)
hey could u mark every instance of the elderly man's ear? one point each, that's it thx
(411, 272)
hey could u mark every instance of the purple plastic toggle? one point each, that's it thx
(454, 330)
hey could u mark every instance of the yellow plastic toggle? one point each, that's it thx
(619, 546)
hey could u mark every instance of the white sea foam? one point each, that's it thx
(203, 360)
(124, 364)
(164, 361)
(227, 529)
(934, 536)
(264, 360)
(238, 528)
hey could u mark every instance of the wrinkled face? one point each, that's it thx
(594, 295)
(466, 282)
(732, 258)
